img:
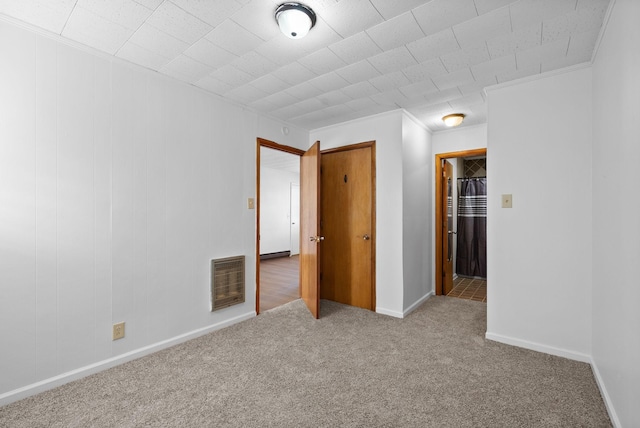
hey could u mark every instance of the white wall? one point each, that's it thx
(417, 173)
(386, 130)
(117, 187)
(539, 251)
(616, 229)
(275, 209)
(451, 140)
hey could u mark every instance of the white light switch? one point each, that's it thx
(250, 204)
(506, 201)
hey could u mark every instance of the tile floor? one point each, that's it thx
(469, 288)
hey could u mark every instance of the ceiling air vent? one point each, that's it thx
(227, 282)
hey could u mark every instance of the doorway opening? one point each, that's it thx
(278, 224)
(460, 223)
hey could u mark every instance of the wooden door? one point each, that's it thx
(447, 227)
(347, 223)
(310, 238)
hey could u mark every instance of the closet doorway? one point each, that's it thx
(460, 223)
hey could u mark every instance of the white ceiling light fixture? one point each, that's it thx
(295, 19)
(453, 119)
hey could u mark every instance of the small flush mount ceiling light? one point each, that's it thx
(295, 19)
(453, 119)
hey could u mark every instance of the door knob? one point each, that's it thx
(366, 237)
(316, 238)
(452, 232)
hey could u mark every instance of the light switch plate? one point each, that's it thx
(251, 204)
(507, 201)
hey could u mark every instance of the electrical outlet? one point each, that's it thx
(118, 331)
(507, 201)
(251, 204)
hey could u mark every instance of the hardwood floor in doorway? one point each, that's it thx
(279, 282)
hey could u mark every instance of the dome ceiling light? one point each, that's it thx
(453, 119)
(295, 19)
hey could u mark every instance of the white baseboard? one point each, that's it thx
(407, 311)
(552, 350)
(417, 303)
(61, 379)
(605, 395)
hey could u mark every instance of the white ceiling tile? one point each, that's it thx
(361, 104)
(484, 27)
(349, 17)
(537, 55)
(320, 36)
(301, 107)
(303, 91)
(231, 76)
(425, 70)
(465, 58)
(213, 85)
(281, 99)
(519, 74)
(282, 50)
(269, 84)
(434, 45)
(577, 21)
(396, 32)
(47, 14)
(139, 55)
(322, 61)
(442, 96)
(360, 90)
(390, 81)
(355, 48)
(208, 53)
(150, 4)
(478, 85)
(486, 70)
(467, 101)
(186, 69)
(358, 72)
(232, 37)
(389, 9)
(93, 30)
(389, 98)
(254, 64)
(519, 40)
(582, 44)
(393, 60)
(335, 97)
(258, 17)
(566, 61)
(264, 106)
(174, 21)
(213, 12)
(294, 73)
(329, 82)
(418, 89)
(526, 13)
(245, 94)
(127, 13)
(437, 15)
(457, 78)
(158, 42)
(485, 6)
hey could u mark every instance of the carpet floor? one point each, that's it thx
(351, 368)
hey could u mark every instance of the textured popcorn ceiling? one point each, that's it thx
(363, 57)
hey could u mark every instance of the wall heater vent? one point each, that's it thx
(227, 282)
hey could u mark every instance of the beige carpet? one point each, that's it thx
(351, 368)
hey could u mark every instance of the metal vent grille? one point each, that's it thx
(227, 282)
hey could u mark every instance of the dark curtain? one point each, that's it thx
(471, 254)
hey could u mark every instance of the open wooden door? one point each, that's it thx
(310, 238)
(447, 227)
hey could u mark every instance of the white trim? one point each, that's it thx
(605, 395)
(389, 312)
(539, 347)
(359, 119)
(535, 77)
(416, 121)
(61, 379)
(418, 302)
(461, 128)
(605, 22)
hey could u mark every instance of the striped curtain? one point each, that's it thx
(471, 254)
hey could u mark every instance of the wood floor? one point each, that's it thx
(279, 280)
